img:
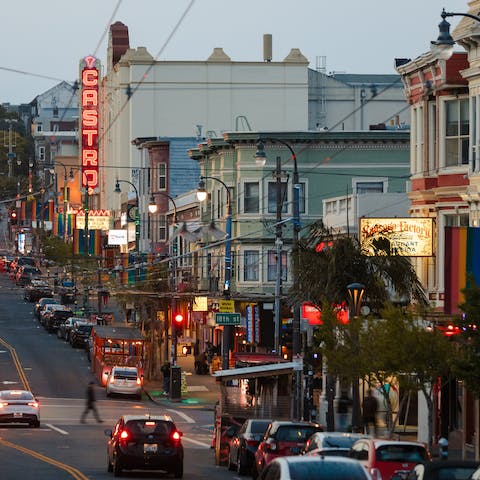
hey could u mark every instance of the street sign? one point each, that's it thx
(226, 306)
(227, 318)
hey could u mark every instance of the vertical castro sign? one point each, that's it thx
(89, 122)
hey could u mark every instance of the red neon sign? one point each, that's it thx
(89, 99)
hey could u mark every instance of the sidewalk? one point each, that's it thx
(201, 390)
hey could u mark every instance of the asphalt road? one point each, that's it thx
(63, 448)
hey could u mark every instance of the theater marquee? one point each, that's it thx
(404, 237)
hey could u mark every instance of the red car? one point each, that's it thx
(387, 458)
(282, 438)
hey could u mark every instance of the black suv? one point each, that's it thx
(36, 290)
(145, 442)
(80, 334)
(54, 319)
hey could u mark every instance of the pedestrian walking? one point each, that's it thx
(370, 409)
(90, 404)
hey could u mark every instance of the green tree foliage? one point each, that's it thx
(325, 274)
(56, 249)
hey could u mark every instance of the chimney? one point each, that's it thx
(267, 47)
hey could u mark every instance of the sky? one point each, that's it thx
(48, 38)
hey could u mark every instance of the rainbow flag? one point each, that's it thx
(462, 257)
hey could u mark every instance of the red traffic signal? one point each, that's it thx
(13, 217)
(178, 318)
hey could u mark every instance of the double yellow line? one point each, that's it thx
(18, 365)
(72, 471)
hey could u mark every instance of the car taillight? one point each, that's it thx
(33, 404)
(252, 443)
(176, 435)
(112, 379)
(124, 435)
(3, 404)
(139, 382)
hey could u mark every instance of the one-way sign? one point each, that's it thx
(227, 318)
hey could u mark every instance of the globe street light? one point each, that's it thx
(137, 216)
(227, 329)
(442, 48)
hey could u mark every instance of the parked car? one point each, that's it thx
(244, 444)
(80, 334)
(65, 328)
(56, 317)
(25, 274)
(331, 443)
(41, 304)
(19, 406)
(124, 380)
(36, 290)
(311, 467)
(18, 262)
(444, 469)
(145, 442)
(282, 438)
(388, 458)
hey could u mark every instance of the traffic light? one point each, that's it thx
(178, 320)
(13, 217)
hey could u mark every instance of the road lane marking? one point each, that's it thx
(196, 442)
(77, 474)
(59, 430)
(17, 363)
(181, 414)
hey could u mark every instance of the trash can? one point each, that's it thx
(175, 383)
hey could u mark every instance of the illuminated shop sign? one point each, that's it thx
(89, 123)
(403, 237)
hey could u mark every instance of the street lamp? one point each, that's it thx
(137, 216)
(152, 208)
(442, 48)
(260, 157)
(355, 293)
(227, 329)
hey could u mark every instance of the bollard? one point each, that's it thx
(443, 445)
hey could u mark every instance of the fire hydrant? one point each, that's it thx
(443, 445)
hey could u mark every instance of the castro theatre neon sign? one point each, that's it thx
(89, 122)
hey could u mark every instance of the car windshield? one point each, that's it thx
(125, 374)
(401, 453)
(16, 395)
(339, 442)
(147, 427)
(84, 328)
(260, 427)
(338, 471)
(295, 434)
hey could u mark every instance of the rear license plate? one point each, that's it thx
(17, 414)
(150, 448)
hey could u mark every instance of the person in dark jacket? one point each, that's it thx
(90, 404)
(370, 408)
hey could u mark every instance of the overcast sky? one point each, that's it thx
(49, 37)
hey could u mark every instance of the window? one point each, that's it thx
(250, 265)
(272, 266)
(39, 127)
(417, 139)
(456, 132)
(162, 176)
(162, 227)
(41, 153)
(251, 197)
(369, 187)
(272, 197)
(301, 197)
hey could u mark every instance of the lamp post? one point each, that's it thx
(152, 208)
(355, 293)
(137, 217)
(65, 198)
(227, 329)
(442, 48)
(260, 157)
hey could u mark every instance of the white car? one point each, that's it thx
(302, 467)
(125, 381)
(19, 406)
